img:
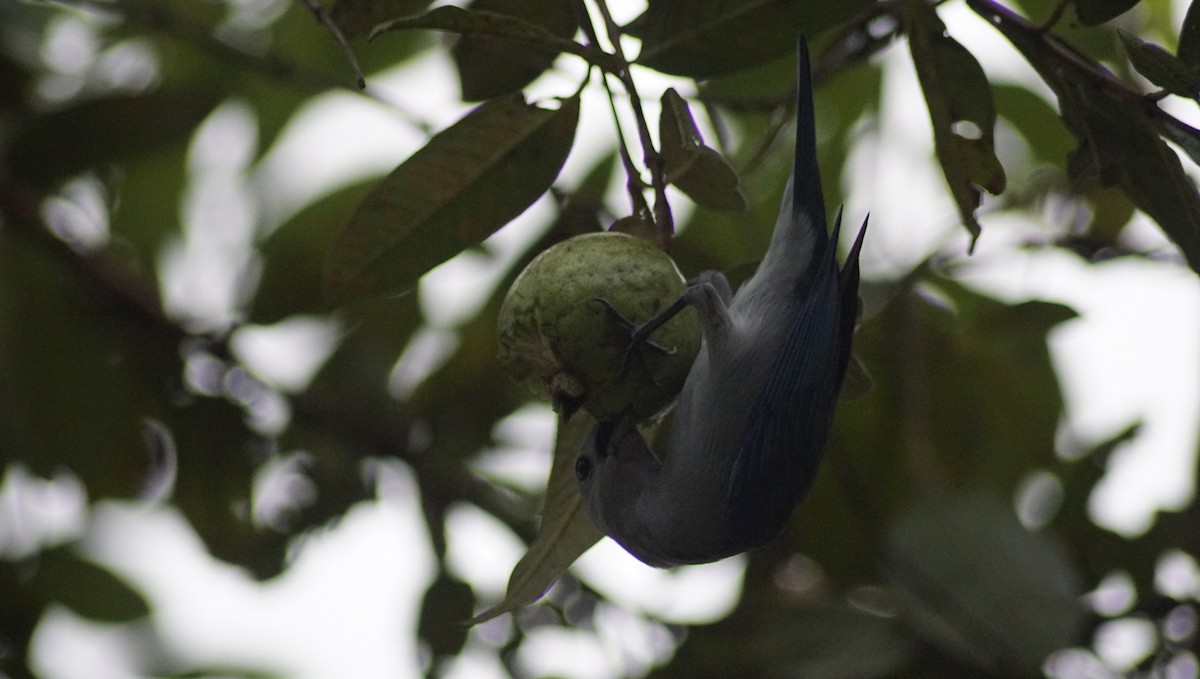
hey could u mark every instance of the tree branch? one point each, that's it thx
(633, 182)
(650, 156)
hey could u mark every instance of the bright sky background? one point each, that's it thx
(348, 605)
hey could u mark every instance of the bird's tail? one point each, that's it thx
(807, 199)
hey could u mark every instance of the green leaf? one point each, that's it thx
(712, 182)
(1181, 134)
(496, 25)
(835, 641)
(92, 371)
(1100, 552)
(489, 67)
(697, 170)
(217, 461)
(960, 108)
(1093, 12)
(466, 183)
(910, 430)
(565, 533)
(706, 38)
(59, 145)
(447, 603)
(294, 254)
(1189, 36)
(581, 210)
(1036, 119)
(87, 588)
(1161, 67)
(83, 367)
(356, 18)
(462, 427)
(757, 88)
(974, 582)
(16, 81)
(1119, 143)
(303, 60)
(23, 607)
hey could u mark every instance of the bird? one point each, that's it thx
(752, 419)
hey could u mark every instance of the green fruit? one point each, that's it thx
(555, 337)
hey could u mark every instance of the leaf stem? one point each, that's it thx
(633, 182)
(325, 20)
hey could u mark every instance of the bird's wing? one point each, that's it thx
(790, 422)
(785, 438)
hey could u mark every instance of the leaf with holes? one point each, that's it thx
(1122, 147)
(466, 183)
(1119, 143)
(961, 110)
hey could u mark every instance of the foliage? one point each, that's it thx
(917, 565)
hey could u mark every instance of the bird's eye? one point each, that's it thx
(583, 468)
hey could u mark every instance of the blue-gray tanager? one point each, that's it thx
(752, 419)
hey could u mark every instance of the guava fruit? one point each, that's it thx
(554, 336)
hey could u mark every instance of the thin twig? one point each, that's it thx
(323, 17)
(650, 155)
(633, 183)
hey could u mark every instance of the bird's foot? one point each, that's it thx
(638, 337)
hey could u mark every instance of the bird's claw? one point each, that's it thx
(638, 336)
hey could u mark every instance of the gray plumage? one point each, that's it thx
(752, 419)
